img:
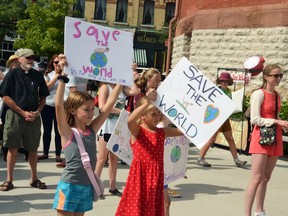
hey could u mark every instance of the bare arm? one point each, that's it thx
(63, 127)
(106, 109)
(133, 126)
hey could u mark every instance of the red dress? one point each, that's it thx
(267, 110)
(144, 194)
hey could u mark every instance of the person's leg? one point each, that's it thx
(258, 169)
(201, 159)
(58, 146)
(47, 120)
(32, 159)
(167, 202)
(113, 164)
(101, 156)
(261, 192)
(11, 161)
(227, 132)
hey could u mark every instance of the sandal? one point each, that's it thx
(38, 184)
(42, 157)
(6, 186)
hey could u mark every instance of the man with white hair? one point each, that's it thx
(24, 91)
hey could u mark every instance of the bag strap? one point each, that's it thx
(86, 161)
(276, 105)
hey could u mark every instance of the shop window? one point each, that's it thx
(121, 11)
(79, 8)
(100, 10)
(169, 13)
(148, 12)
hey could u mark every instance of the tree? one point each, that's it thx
(10, 13)
(43, 32)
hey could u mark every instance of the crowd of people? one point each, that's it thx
(56, 100)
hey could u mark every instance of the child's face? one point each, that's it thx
(152, 117)
(85, 112)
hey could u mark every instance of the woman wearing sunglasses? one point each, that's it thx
(265, 109)
(48, 114)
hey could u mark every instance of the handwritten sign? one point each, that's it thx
(175, 149)
(193, 103)
(239, 129)
(119, 142)
(98, 52)
(175, 158)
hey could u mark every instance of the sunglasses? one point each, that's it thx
(30, 57)
(56, 62)
(276, 75)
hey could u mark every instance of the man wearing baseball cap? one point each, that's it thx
(24, 91)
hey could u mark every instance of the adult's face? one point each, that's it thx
(26, 63)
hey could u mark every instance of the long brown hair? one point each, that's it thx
(267, 70)
(50, 66)
(74, 101)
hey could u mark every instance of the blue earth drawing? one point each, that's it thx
(211, 114)
(175, 154)
(98, 59)
(115, 148)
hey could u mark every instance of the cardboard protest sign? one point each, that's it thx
(175, 158)
(175, 149)
(119, 142)
(193, 103)
(98, 52)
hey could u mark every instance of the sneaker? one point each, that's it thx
(173, 194)
(202, 162)
(115, 192)
(240, 163)
(260, 213)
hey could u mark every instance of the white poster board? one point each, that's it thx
(119, 142)
(175, 158)
(193, 103)
(98, 52)
(175, 149)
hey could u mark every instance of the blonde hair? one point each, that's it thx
(267, 70)
(74, 101)
(142, 101)
(142, 80)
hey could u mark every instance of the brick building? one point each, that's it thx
(148, 20)
(216, 34)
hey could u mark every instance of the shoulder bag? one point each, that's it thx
(268, 134)
(95, 180)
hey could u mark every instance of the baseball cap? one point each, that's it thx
(24, 52)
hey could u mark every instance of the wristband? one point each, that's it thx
(63, 78)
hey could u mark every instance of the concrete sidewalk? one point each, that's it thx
(217, 191)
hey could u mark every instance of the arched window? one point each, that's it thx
(169, 13)
(121, 11)
(100, 10)
(79, 6)
(148, 12)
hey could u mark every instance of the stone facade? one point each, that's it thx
(210, 42)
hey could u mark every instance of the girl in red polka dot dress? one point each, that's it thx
(144, 194)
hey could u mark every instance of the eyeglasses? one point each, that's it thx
(56, 62)
(276, 75)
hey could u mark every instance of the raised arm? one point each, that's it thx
(63, 127)
(133, 126)
(106, 109)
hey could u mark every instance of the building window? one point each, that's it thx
(169, 13)
(121, 11)
(148, 12)
(79, 8)
(100, 10)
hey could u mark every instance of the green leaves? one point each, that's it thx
(43, 30)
